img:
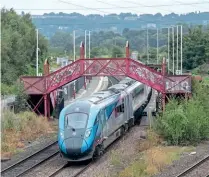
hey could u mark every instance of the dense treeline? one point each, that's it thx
(18, 46)
(110, 44)
(51, 22)
(196, 48)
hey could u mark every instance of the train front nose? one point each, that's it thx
(74, 146)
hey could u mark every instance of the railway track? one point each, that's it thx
(194, 167)
(27, 164)
(80, 171)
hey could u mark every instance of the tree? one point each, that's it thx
(62, 40)
(196, 45)
(18, 45)
(117, 52)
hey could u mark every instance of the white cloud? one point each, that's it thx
(46, 6)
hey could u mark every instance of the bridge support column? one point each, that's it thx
(46, 106)
(84, 82)
(164, 82)
(127, 50)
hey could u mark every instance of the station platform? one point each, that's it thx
(150, 111)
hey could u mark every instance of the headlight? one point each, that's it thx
(61, 135)
(87, 134)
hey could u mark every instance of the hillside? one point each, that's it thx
(52, 22)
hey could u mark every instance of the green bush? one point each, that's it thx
(186, 121)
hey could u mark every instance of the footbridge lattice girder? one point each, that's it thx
(105, 67)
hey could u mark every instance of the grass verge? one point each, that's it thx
(151, 157)
(16, 129)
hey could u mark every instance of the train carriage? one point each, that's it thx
(89, 125)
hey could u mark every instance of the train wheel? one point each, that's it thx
(122, 131)
(126, 127)
(99, 150)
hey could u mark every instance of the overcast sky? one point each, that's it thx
(36, 7)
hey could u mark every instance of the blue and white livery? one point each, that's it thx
(89, 125)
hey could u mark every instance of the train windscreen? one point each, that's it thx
(76, 120)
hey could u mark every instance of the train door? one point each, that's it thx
(119, 115)
(103, 122)
(126, 111)
(130, 105)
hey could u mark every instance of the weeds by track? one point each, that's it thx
(193, 167)
(25, 165)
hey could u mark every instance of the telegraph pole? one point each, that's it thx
(181, 48)
(89, 44)
(74, 46)
(36, 52)
(168, 49)
(173, 50)
(147, 47)
(74, 59)
(177, 48)
(85, 44)
(157, 45)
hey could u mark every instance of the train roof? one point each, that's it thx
(127, 81)
(102, 95)
(109, 93)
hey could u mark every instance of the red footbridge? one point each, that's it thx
(39, 88)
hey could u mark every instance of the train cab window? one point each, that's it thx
(76, 120)
(96, 120)
(100, 117)
(119, 110)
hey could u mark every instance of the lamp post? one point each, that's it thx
(147, 47)
(74, 60)
(181, 48)
(157, 45)
(36, 52)
(173, 48)
(89, 44)
(177, 48)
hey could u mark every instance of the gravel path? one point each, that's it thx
(186, 161)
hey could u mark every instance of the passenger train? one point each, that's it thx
(88, 126)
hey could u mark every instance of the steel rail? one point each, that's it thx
(37, 164)
(28, 157)
(188, 170)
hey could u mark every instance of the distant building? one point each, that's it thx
(150, 25)
(205, 22)
(63, 61)
(134, 55)
(131, 18)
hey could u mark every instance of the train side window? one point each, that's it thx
(119, 109)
